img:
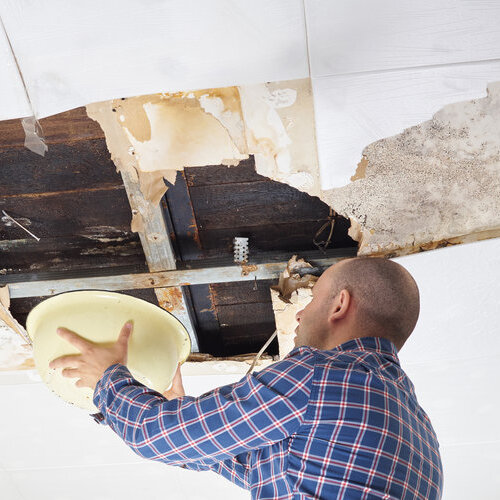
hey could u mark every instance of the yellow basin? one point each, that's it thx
(158, 343)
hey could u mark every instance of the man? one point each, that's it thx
(336, 419)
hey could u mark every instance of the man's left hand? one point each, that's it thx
(90, 365)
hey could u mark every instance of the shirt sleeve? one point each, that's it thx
(213, 431)
(235, 469)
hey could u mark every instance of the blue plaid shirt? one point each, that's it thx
(337, 424)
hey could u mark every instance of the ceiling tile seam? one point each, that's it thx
(306, 31)
(484, 62)
(21, 76)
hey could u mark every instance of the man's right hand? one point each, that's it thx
(177, 389)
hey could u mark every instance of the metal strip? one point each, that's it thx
(222, 274)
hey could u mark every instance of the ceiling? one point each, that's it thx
(375, 69)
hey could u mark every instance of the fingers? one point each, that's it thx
(80, 343)
(73, 360)
(177, 386)
(177, 389)
(76, 373)
(84, 383)
(125, 333)
(71, 372)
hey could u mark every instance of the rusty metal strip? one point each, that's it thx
(222, 274)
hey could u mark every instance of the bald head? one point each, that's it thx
(386, 296)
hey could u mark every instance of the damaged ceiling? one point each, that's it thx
(76, 203)
(298, 125)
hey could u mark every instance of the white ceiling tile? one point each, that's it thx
(145, 480)
(12, 377)
(13, 101)
(353, 111)
(8, 488)
(453, 355)
(72, 54)
(471, 471)
(39, 429)
(51, 433)
(460, 397)
(459, 303)
(347, 36)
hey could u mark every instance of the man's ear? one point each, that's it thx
(340, 306)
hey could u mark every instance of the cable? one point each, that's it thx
(259, 354)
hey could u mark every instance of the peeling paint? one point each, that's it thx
(182, 134)
(225, 105)
(163, 133)
(284, 316)
(279, 122)
(435, 184)
(137, 223)
(361, 170)
(293, 293)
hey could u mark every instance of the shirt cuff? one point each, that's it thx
(101, 387)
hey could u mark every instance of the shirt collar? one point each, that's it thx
(378, 344)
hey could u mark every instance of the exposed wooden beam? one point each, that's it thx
(159, 252)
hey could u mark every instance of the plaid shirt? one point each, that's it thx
(337, 424)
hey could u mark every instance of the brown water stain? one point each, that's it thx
(361, 169)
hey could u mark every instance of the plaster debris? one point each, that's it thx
(5, 296)
(279, 123)
(34, 139)
(281, 98)
(284, 316)
(292, 294)
(137, 224)
(16, 352)
(162, 133)
(296, 275)
(154, 136)
(435, 184)
(219, 367)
